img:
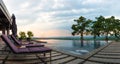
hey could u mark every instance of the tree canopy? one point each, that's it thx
(30, 34)
(101, 26)
(22, 35)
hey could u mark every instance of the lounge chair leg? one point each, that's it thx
(44, 54)
(41, 59)
(50, 58)
(6, 58)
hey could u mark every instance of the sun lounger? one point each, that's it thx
(28, 44)
(29, 50)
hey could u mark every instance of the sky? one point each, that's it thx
(48, 18)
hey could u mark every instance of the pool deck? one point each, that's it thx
(108, 54)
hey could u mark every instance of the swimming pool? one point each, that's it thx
(74, 46)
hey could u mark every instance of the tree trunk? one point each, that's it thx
(82, 38)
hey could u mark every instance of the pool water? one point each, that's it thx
(74, 46)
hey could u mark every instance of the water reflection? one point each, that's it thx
(96, 44)
(74, 46)
(88, 44)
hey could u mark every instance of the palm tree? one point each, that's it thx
(81, 27)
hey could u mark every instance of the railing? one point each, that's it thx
(5, 11)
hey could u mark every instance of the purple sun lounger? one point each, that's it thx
(29, 50)
(17, 42)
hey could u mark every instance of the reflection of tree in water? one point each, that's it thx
(96, 44)
(76, 43)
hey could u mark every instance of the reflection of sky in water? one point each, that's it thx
(74, 46)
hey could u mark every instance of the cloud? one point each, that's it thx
(25, 5)
(56, 16)
(93, 2)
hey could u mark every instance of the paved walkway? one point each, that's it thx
(109, 54)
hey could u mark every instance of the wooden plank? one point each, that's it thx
(62, 61)
(24, 62)
(106, 53)
(76, 61)
(88, 62)
(104, 60)
(59, 57)
(106, 56)
(57, 54)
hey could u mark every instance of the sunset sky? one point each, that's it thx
(47, 18)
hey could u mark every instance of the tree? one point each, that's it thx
(30, 34)
(81, 27)
(22, 35)
(107, 26)
(96, 26)
(110, 25)
(116, 28)
(95, 29)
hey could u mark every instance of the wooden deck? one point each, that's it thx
(109, 54)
